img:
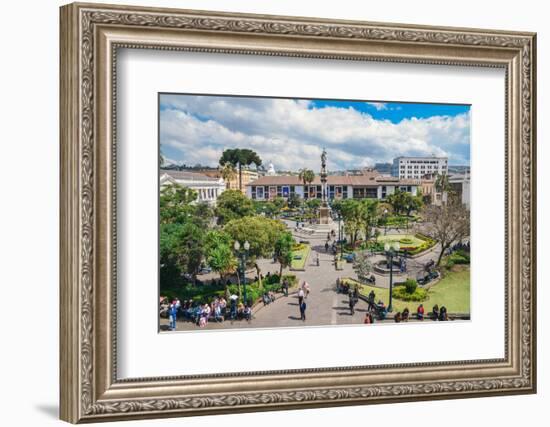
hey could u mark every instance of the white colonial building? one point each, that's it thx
(208, 188)
(368, 185)
(417, 167)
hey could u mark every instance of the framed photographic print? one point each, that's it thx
(306, 212)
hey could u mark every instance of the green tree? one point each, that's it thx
(397, 200)
(228, 173)
(278, 203)
(306, 176)
(260, 232)
(283, 250)
(313, 205)
(181, 249)
(369, 216)
(233, 204)
(223, 261)
(176, 203)
(352, 214)
(294, 201)
(239, 157)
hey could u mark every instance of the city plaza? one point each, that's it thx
(319, 269)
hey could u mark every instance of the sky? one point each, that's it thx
(291, 133)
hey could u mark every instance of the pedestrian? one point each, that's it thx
(233, 306)
(351, 304)
(305, 287)
(420, 312)
(303, 311)
(368, 319)
(318, 261)
(285, 286)
(300, 296)
(172, 316)
(326, 246)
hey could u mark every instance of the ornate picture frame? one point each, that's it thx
(90, 37)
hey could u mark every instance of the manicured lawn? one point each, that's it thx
(403, 239)
(453, 291)
(299, 264)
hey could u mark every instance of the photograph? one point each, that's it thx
(292, 212)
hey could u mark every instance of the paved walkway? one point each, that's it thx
(324, 305)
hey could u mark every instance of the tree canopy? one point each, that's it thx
(233, 204)
(283, 250)
(239, 157)
(306, 176)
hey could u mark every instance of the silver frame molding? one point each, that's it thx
(90, 37)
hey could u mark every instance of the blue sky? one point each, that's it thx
(291, 133)
(397, 111)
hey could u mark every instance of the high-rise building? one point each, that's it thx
(417, 167)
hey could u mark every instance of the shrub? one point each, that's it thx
(418, 295)
(458, 257)
(406, 241)
(410, 286)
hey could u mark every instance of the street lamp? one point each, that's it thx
(340, 236)
(391, 251)
(385, 221)
(242, 255)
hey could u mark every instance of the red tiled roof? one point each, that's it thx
(368, 179)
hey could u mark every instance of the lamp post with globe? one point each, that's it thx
(391, 250)
(242, 254)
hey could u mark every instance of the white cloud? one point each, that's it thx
(378, 105)
(291, 134)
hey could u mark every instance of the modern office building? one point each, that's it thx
(417, 167)
(369, 185)
(208, 188)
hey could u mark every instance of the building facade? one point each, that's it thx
(248, 176)
(208, 188)
(417, 167)
(368, 186)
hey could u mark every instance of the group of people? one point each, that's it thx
(200, 314)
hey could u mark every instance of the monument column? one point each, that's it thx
(324, 210)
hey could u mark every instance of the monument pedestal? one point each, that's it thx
(324, 215)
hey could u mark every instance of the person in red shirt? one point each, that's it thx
(420, 312)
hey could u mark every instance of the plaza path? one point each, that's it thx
(324, 305)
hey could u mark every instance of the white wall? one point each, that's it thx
(29, 214)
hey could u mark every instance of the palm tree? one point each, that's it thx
(306, 176)
(239, 157)
(228, 173)
(369, 214)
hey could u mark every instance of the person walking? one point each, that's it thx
(300, 296)
(326, 246)
(303, 311)
(285, 287)
(352, 302)
(305, 287)
(172, 314)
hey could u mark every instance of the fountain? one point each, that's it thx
(382, 267)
